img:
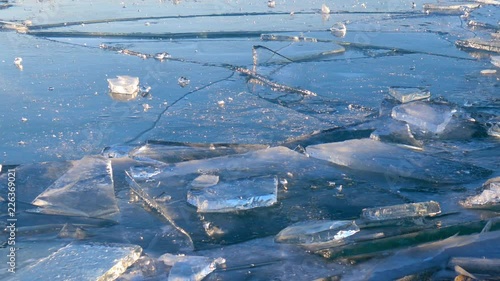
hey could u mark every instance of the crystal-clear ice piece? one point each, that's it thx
(76, 262)
(421, 209)
(242, 194)
(428, 117)
(124, 85)
(407, 94)
(87, 190)
(316, 231)
(192, 268)
(203, 181)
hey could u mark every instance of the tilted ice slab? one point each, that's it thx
(192, 268)
(374, 156)
(427, 117)
(308, 232)
(81, 262)
(86, 190)
(235, 195)
(409, 210)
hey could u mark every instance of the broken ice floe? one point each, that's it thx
(388, 159)
(83, 262)
(488, 198)
(124, 85)
(311, 232)
(86, 189)
(407, 94)
(235, 195)
(409, 210)
(193, 268)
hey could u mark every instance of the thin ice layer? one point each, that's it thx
(83, 262)
(86, 190)
(374, 156)
(192, 268)
(409, 210)
(309, 232)
(427, 117)
(243, 194)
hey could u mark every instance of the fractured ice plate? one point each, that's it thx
(83, 262)
(243, 194)
(374, 156)
(86, 190)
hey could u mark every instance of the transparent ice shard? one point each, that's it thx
(388, 159)
(192, 268)
(243, 194)
(396, 132)
(117, 151)
(309, 232)
(492, 45)
(83, 262)
(428, 117)
(495, 60)
(421, 209)
(407, 94)
(124, 85)
(205, 181)
(86, 190)
(489, 197)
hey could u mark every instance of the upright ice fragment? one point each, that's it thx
(192, 268)
(407, 94)
(76, 262)
(388, 159)
(242, 194)
(309, 232)
(124, 85)
(421, 209)
(86, 190)
(428, 117)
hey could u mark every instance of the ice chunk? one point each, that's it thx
(72, 231)
(338, 29)
(183, 81)
(205, 181)
(397, 132)
(235, 195)
(83, 262)
(86, 189)
(325, 9)
(421, 209)
(428, 117)
(271, 4)
(18, 62)
(117, 151)
(192, 268)
(388, 159)
(407, 94)
(124, 85)
(309, 232)
(480, 44)
(477, 265)
(450, 8)
(495, 60)
(490, 196)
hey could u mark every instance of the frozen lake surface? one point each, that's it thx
(177, 139)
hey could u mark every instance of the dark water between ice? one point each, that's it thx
(56, 107)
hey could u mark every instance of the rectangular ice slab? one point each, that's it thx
(86, 190)
(421, 209)
(374, 156)
(309, 232)
(428, 117)
(189, 268)
(82, 262)
(235, 195)
(407, 94)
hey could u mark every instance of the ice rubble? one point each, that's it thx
(374, 156)
(420, 209)
(192, 268)
(310, 232)
(87, 189)
(242, 194)
(93, 261)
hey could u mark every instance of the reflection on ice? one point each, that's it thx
(83, 262)
(86, 189)
(309, 232)
(235, 195)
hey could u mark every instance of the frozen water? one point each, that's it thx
(489, 197)
(491, 45)
(375, 156)
(83, 262)
(407, 94)
(124, 85)
(72, 231)
(189, 268)
(450, 8)
(205, 181)
(309, 232)
(86, 189)
(235, 195)
(396, 132)
(425, 116)
(409, 210)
